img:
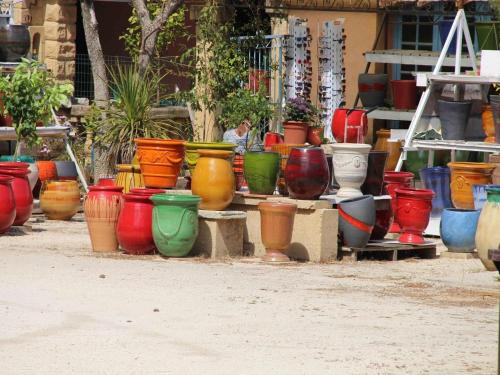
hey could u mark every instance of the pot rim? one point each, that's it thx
(158, 142)
(461, 210)
(138, 197)
(278, 206)
(420, 193)
(115, 188)
(192, 146)
(165, 198)
(14, 165)
(295, 123)
(470, 165)
(395, 175)
(262, 152)
(5, 178)
(347, 146)
(225, 154)
(146, 191)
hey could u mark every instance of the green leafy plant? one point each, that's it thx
(300, 109)
(29, 95)
(129, 116)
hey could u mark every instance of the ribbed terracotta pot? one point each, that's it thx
(413, 211)
(276, 228)
(350, 163)
(213, 179)
(8, 206)
(101, 208)
(128, 177)
(295, 132)
(392, 181)
(463, 177)
(60, 200)
(488, 233)
(356, 220)
(161, 161)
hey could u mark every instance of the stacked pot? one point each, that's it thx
(15, 179)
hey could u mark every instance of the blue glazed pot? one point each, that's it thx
(479, 192)
(458, 229)
(437, 179)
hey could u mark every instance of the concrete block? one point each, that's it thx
(315, 231)
(60, 13)
(220, 234)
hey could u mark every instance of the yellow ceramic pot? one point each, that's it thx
(463, 177)
(60, 200)
(128, 177)
(213, 179)
(193, 147)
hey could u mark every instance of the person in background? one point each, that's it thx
(243, 137)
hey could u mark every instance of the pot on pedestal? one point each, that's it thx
(463, 177)
(374, 181)
(413, 211)
(454, 117)
(160, 160)
(458, 229)
(276, 228)
(371, 88)
(437, 179)
(213, 179)
(392, 181)
(175, 223)
(261, 171)
(350, 163)
(21, 188)
(192, 148)
(488, 233)
(60, 200)
(8, 206)
(306, 173)
(356, 220)
(101, 209)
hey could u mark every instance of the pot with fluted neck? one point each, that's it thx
(350, 163)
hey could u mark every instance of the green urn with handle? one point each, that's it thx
(175, 223)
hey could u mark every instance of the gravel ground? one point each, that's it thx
(65, 310)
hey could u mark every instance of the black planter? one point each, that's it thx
(371, 88)
(454, 117)
(14, 42)
(375, 173)
(356, 220)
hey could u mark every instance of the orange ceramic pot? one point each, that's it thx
(495, 159)
(382, 136)
(213, 179)
(394, 150)
(488, 124)
(295, 131)
(463, 177)
(160, 160)
(129, 177)
(47, 170)
(60, 200)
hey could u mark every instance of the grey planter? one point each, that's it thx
(371, 88)
(356, 220)
(454, 117)
(66, 170)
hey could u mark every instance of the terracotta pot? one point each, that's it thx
(295, 132)
(276, 228)
(192, 148)
(175, 223)
(239, 176)
(60, 200)
(454, 117)
(8, 206)
(306, 173)
(463, 177)
(371, 88)
(495, 159)
(458, 229)
(487, 234)
(356, 125)
(383, 136)
(213, 179)
(314, 136)
(261, 171)
(160, 160)
(383, 219)
(284, 150)
(350, 162)
(128, 177)
(47, 170)
(134, 228)
(394, 150)
(271, 139)
(488, 124)
(413, 211)
(106, 181)
(404, 93)
(392, 181)
(356, 220)
(374, 181)
(66, 170)
(21, 188)
(102, 208)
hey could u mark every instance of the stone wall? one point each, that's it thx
(55, 23)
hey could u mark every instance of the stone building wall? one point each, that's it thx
(52, 26)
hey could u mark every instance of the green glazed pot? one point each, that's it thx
(193, 147)
(493, 194)
(175, 223)
(261, 171)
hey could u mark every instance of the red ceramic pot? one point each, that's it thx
(271, 139)
(392, 181)
(356, 124)
(47, 170)
(104, 191)
(106, 181)
(314, 136)
(8, 206)
(383, 219)
(306, 173)
(21, 188)
(238, 172)
(133, 230)
(404, 93)
(413, 210)
(146, 191)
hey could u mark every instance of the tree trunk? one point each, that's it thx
(148, 36)
(101, 92)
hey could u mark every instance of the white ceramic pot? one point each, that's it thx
(33, 175)
(350, 161)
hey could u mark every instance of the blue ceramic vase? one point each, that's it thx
(458, 229)
(437, 179)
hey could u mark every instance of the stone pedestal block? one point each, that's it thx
(60, 32)
(62, 51)
(62, 70)
(220, 234)
(56, 12)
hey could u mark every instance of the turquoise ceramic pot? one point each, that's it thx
(458, 229)
(175, 223)
(261, 171)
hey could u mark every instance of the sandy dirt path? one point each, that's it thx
(64, 310)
